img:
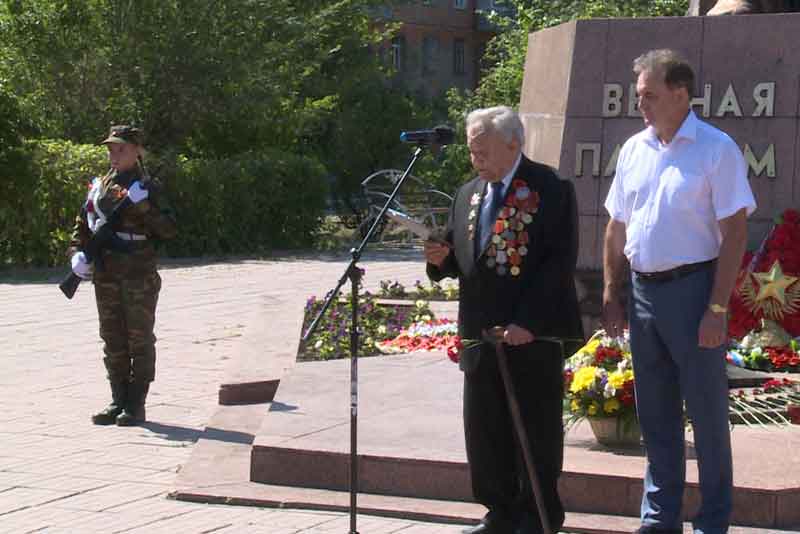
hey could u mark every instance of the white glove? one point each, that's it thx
(137, 193)
(81, 267)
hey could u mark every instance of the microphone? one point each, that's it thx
(440, 135)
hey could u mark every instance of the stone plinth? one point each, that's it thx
(578, 104)
(411, 444)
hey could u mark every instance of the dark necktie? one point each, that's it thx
(489, 214)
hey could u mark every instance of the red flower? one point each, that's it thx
(568, 375)
(610, 354)
(454, 349)
(791, 216)
(628, 396)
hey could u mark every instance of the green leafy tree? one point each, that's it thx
(206, 77)
(213, 83)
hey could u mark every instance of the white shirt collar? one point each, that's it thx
(688, 131)
(510, 176)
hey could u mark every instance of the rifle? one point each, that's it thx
(105, 238)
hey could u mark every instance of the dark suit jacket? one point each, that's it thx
(542, 298)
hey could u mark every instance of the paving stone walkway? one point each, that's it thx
(60, 473)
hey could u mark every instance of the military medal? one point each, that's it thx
(509, 242)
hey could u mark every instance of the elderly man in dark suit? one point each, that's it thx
(512, 241)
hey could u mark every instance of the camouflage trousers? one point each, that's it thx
(126, 308)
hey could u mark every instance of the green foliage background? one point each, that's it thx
(256, 111)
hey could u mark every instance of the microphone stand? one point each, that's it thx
(354, 274)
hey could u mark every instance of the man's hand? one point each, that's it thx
(614, 320)
(516, 335)
(137, 193)
(436, 252)
(80, 266)
(713, 330)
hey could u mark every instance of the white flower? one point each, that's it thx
(609, 391)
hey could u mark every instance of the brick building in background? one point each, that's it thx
(440, 42)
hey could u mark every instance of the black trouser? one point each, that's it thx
(499, 478)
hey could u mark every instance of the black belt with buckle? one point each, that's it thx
(675, 273)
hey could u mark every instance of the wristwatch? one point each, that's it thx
(716, 308)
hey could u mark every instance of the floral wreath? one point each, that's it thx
(509, 244)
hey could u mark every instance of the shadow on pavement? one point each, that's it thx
(180, 433)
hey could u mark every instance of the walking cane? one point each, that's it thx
(495, 337)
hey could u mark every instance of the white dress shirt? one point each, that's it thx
(506, 181)
(671, 196)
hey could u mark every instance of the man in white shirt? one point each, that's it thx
(679, 205)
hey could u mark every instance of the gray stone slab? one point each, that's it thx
(589, 63)
(629, 38)
(766, 45)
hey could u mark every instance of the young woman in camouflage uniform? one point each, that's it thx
(125, 279)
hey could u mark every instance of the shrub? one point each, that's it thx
(246, 204)
(42, 189)
(250, 203)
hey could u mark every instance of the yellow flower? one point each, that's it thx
(575, 406)
(592, 409)
(611, 405)
(589, 348)
(583, 379)
(618, 378)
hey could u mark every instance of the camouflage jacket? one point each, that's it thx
(151, 218)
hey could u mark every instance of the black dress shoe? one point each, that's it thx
(492, 523)
(480, 528)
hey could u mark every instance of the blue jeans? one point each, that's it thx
(671, 369)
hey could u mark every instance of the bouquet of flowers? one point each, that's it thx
(598, 380)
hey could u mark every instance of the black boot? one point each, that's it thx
(133, 412)
(119, 392)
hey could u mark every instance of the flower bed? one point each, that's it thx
(434, 334)
(432, 291)
(378, 322)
